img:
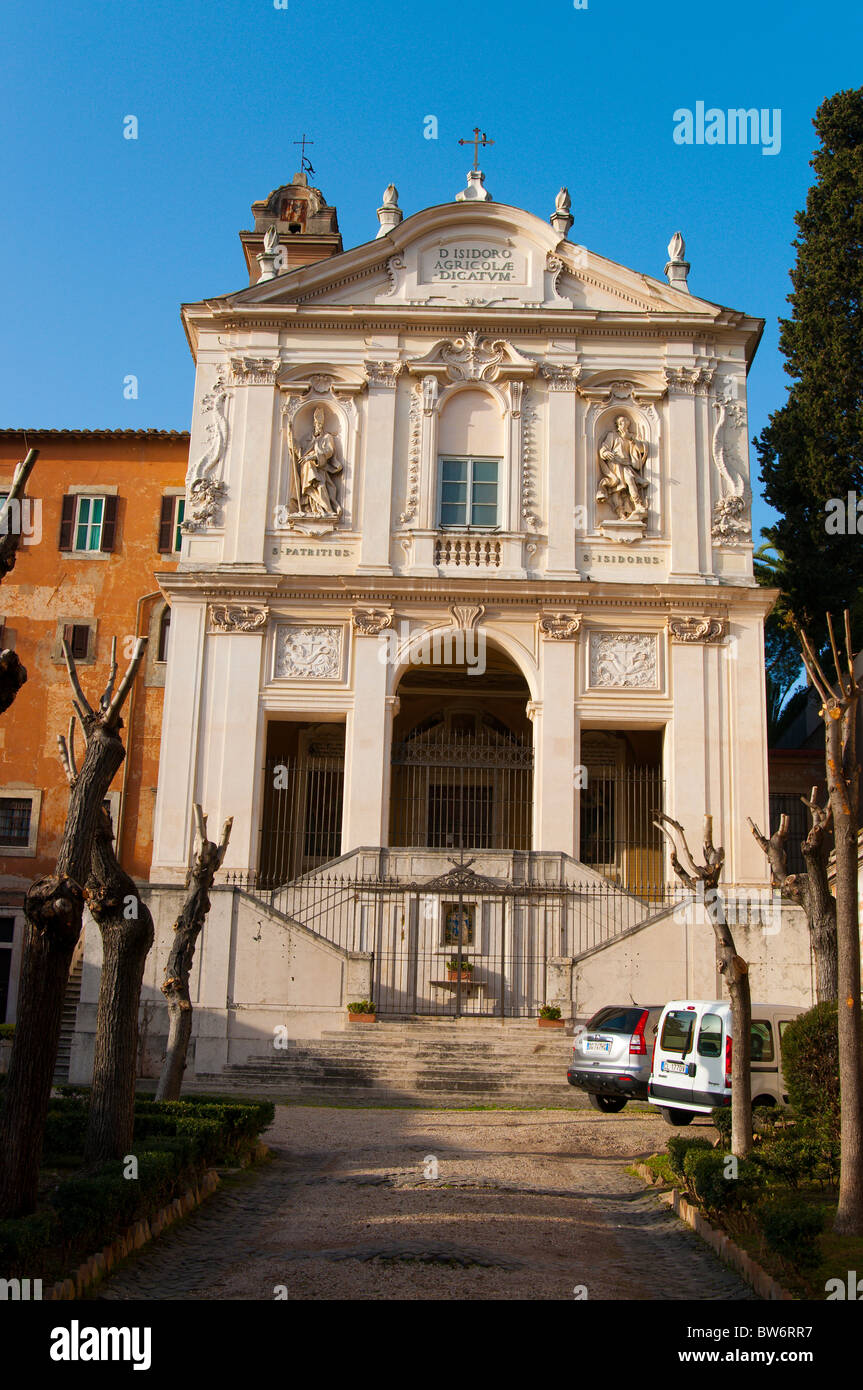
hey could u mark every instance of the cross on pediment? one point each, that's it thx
(479, 139)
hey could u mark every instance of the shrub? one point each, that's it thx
(721, 1119)
(549, 1011)
(791, 1229)
(706, 1171)
(65, 1130)
(361, 1006)
(799, 1148)
(22, 1241)
(678, 1146)
(810, 1061)
(7, 1030)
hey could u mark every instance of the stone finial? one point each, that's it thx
(561, 219)
(476, 191)
(270, 255)
(677, 268)
(389, 213)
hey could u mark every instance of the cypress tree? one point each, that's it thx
(812, 449)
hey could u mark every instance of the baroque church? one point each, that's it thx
(465, 596)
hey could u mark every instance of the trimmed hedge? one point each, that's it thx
(792, 1230)
(173, 1143)
(706, 1174)
(678, 1146)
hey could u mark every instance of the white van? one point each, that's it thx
(690, 1073)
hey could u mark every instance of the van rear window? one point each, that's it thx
(612, 1020)
(677, 1031)
(710, 1036)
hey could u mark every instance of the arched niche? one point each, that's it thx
(300, 400)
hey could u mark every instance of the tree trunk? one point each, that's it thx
(187, 929)
(736, 973)
(54, 909)
(127, 936)
(810, 890)
(820, 908)
(849, 1214)
(705, 877)
(12, 676)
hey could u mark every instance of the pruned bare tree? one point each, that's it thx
(187, 929)
(839, 706)
(12, 673)
(126, 927)
(704, 879)
(809, 890)
(54, 909)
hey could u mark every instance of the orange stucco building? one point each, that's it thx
(105, 511)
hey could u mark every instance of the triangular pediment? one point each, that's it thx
(462, 255)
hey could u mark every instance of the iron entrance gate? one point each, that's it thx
(464, 944)
(460, 943)
(470, 791)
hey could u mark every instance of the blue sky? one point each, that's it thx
(103, 238)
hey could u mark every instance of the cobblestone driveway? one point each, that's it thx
(526, 1204)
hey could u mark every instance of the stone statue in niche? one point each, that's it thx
(622, 484)
(314, 487)
(621, 464)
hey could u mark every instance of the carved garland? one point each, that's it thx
(413, 497)
(205, 491)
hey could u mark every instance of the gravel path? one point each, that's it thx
(525, 1205)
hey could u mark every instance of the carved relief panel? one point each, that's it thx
(623, 661)
(308, 651)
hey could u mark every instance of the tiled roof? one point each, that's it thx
(95, 434)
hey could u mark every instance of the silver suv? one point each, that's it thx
(611, 1056)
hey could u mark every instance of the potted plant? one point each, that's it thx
(549, 1017)
(452, 969)
(7, 1032)
(361, 1011)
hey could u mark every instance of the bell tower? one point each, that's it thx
(307, 228)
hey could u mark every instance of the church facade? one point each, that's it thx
(467, 560)
(464, 597)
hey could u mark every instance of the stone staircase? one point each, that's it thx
(442, 1063)
(67, 1024)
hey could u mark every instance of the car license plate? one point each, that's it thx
(674, 1066)
(596, 1045)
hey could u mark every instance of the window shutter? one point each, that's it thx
(109, 523)
(166, 526)
(67, 522)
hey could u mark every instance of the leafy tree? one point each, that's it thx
(783, 666)
(812, 448)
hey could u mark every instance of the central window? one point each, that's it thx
(469, 492)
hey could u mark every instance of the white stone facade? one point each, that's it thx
(327, 398)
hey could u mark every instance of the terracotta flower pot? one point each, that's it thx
(362, 1018)
(453, 975)
(551, 1022)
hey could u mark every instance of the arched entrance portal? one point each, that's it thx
(462, 756)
